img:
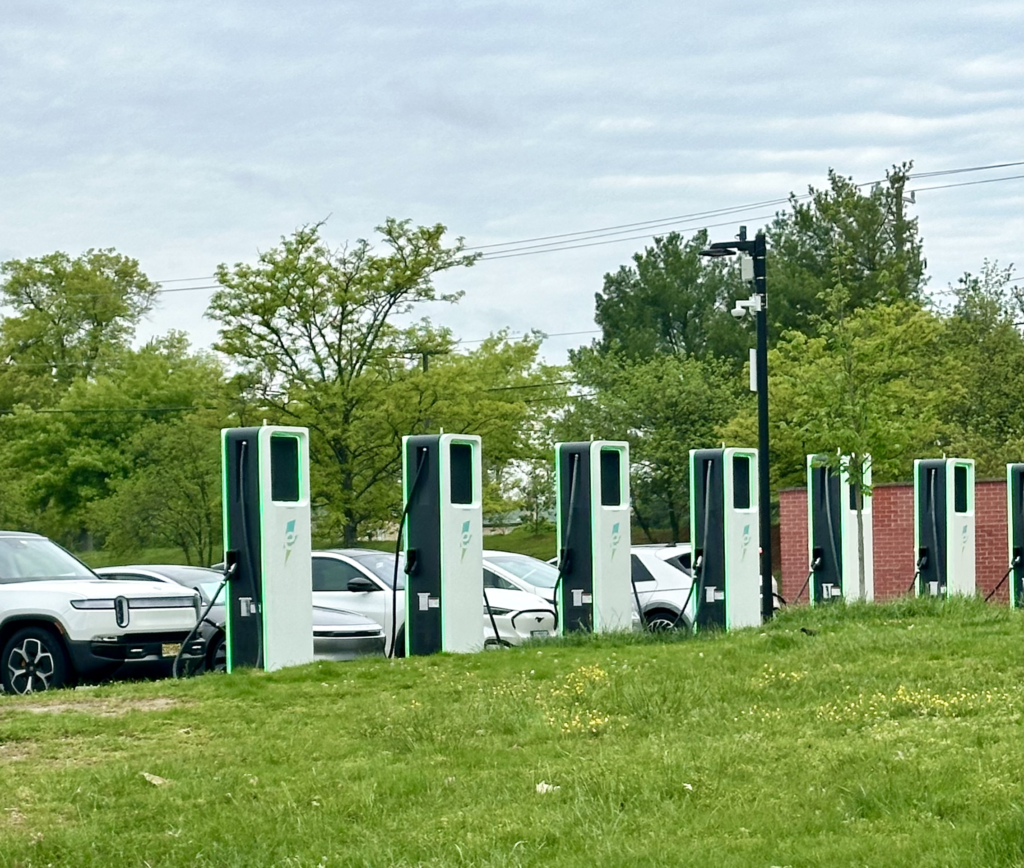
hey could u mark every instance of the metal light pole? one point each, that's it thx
(757, 249)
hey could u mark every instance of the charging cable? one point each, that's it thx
(815, 566)
(1013, 564)
(494, 624)
(563, 555)
(228, 574)
(421, 462)
(698, 564)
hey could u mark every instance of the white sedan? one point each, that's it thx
(362, 580)
(660, 576)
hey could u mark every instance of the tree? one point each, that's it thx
(663, 407)
(984, 359)
(313, 330)
(66, 456)
(865, 234)
(671, 301)
(70, 315)
(172, 496)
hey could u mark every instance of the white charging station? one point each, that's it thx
(944, 526)
(267, 546)
(444, 588)
(724, 535)
(833, 549)
(593, 533)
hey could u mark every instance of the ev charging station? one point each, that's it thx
(593, 529)
(1015, 528)
(267, 547)
(724, 534)
(833, 549)
(944, 526)
(444, 586)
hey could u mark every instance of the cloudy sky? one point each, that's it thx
(187, 134)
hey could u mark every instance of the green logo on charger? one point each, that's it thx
(746, 540)
(467, 535)
(290, 536)
(616, 538)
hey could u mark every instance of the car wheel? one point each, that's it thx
(217, 655)
(663, 620)
(34, 660)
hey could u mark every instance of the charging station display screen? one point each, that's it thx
(740, 482)
(611, 483)
(461, 473)
(960, 488)
(284, 468)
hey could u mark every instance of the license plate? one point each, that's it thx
(539, 633)
(170, 650)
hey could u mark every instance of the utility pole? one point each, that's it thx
(758, 250)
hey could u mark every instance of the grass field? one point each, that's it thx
(886, 735)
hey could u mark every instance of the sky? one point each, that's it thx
(187, 134)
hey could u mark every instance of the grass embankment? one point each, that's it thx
(882, 735)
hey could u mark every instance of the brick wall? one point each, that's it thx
(894, 539)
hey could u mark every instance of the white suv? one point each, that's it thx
(60, 623)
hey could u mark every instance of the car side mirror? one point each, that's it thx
(361, 584)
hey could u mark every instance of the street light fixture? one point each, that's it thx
(758, 303)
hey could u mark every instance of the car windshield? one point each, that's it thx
(208, 589)
(33, 559)
(382, 565)
(537, 573)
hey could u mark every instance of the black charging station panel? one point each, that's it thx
(1015, 480)
(242, 536)
(423, 541)
(826, 531)
(708, 502)
(576, 593)
(930, 488)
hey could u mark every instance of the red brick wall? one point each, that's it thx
(893, 507)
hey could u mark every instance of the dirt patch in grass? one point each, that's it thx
(97, 707)
(13, 751)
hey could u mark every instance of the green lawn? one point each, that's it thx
(884, 735)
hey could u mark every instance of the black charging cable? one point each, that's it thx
(563, 555)
(228, 573)
(935, 527)
(831, 528)
(698, 564)
(1013, 564)
(248, 552)
(420, 464)
(815, 566)
(494, 624)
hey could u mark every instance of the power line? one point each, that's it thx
(967, 183)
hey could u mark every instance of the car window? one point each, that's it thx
(680, 562)
(331, 574)
(35, 558)
(493, 580)
(640, 572)
(530, 570)
(382, 565)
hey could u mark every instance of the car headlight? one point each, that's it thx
(93, 604)
(497, 610)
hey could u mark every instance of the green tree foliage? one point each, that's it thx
(66, 456)
(314, 331)
(663, 407)
(70, 315)
(865, 384)
(985, 365)
(172, 496)
(864, 234)
(671, 301)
